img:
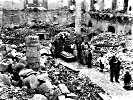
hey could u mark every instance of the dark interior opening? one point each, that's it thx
(41, 36)
(111, 29)
(130, 8)
(89, 24)
(125, 5)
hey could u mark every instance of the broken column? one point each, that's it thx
(32, 52)
(78, 17)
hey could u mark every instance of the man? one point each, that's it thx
(127, 80)
(89, 63)
(101, 61)
(114, 68)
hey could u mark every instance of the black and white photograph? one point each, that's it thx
(66, 49)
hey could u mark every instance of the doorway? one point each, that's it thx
(41, 36)
(111, 29)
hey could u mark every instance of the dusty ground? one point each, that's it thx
(114, 90)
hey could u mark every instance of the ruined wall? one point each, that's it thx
(124, 28)
(25, 16)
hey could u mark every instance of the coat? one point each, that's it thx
(115, 66)
(89, 59)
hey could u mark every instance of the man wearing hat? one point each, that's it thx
(16, 78)
(114, 68)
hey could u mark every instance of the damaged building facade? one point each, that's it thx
(115, 16)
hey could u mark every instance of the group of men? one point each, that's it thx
(78, 47)
(115, 66)
(82, 52)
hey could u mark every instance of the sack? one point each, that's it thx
(39, 97)
(32, 81)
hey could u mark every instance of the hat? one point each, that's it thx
(19, 66)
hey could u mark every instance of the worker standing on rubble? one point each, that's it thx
(101, 61)
(114, 68)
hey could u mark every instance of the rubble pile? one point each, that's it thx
(108, 39)
(15, 36)
(82, 87)
(109, 44)
(106, 42)
(15, 93)
(54, 82)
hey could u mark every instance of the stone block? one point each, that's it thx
(43, 77)
(61, 97)
(3, 66)
(44, 88)
(33, 60)
(39, 97)
(4, 79)
(72, 96)
(63, 88)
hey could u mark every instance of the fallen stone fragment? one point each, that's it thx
(57, 92)
(43, 88)
(5, 79)
(4, 96)
(14, 98)
(72, 96)
(3, 66)
(61, 97)
(63, 88)
(1, 85)
(54, 95)
(43, 77)
(104, 97)
(39, 97)
(49, 84)
(32, 81)
(56, 73)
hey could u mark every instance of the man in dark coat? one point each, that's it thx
(58, 44)
(127, 80)
(89, 62)
(114, 68)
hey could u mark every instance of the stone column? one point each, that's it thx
(32, 52)
(78, 17)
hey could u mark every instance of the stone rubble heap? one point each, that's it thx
(54, 82)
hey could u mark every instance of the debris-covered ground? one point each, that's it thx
(114, 91)
(55, 82)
